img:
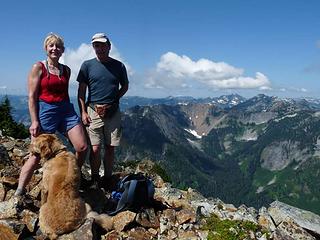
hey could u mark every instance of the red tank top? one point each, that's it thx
(53, 88)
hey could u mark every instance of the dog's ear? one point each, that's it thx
(50, 145)
(56, 144)
(35, 146)
(41, 145)
(33, 149)
(44, 143)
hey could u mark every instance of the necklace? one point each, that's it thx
(54, 70)
(52, 66)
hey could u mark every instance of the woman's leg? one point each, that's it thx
(26, 173)
(78, 139)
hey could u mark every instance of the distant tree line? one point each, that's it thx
(7, 125)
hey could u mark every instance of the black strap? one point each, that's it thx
(57, 152)
(151, 190)
(127, 186)
(126, 197)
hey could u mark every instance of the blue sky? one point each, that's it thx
(173, 48)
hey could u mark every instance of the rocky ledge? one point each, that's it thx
(178, 214)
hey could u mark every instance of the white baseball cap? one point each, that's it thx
(99, 37)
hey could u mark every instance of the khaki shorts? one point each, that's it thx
(107, 130)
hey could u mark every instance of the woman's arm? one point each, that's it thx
(33, 92)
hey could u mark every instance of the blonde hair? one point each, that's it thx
(53, 38)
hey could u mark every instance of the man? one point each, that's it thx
(106, 80)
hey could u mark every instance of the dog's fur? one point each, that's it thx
(62, 209)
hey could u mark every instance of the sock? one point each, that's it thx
(107, 174)
(20, 192)
(95, 177)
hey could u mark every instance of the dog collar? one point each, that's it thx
(57, 152)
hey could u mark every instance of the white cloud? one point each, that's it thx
(304, 90)
(174, 71)
(300, 89)
(177, 66)
(75, 57)
(174, 74)
(294, 89)
(265, 88)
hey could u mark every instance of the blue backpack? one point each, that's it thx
(134, 192)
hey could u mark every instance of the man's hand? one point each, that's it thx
(86, 120)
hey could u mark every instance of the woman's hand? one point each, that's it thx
(34, 129)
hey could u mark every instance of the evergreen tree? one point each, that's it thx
(7, 125)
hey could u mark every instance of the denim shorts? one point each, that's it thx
(58, 116)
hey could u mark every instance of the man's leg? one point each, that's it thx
(113, 134)
(95, 161)
(108, 160)
(95, 138)
(26, 173)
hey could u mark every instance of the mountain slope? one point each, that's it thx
(246, 152)
(241, 150)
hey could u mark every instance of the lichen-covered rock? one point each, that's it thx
(4, 157)
(289, 228)
(178, 214)
(279, 211)
(11, 229)
(30, 219)
(2, 192)
(122, 219)
(10, 209)
(185, 215)
(85, 232)
(148, 219)
(140, 233)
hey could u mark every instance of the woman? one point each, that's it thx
(49, 106)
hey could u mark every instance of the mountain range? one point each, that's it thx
(251, 151)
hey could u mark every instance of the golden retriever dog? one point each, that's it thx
(62, 209)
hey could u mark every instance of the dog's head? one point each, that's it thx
(46, 146)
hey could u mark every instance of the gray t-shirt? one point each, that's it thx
(103, 79)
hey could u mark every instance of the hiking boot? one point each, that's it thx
(95, 179)
(109, 183)
(84, 183)
(94, 185)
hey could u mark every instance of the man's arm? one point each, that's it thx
(123, 89)
(124, 83)
(82, 89)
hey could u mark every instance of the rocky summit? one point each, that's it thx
(176, 214)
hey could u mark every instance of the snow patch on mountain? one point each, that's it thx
(193, 132)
